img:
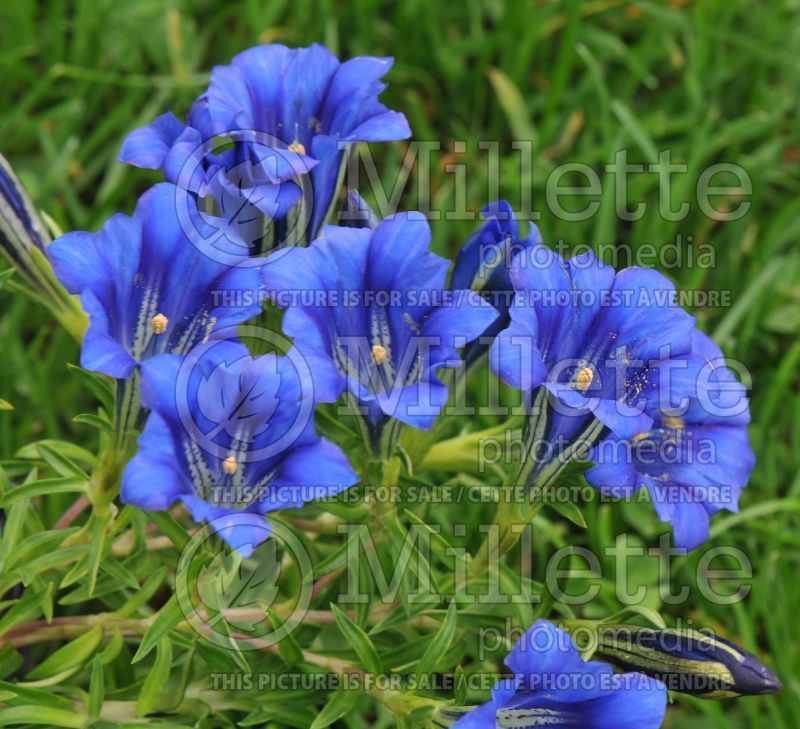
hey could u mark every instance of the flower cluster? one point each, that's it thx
(612, 368)
(229, 435)
(609, 366)
(266, 141)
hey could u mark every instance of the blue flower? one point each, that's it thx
(586, 335)
(288, 113)
(147, 288)
(231, 436)
(696, 457)
(553, 686)
(483, 265)
(370, 310)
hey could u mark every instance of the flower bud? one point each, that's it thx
(23, 240)
(688, 661)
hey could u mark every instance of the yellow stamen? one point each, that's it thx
(584, 379)
(229, 465)
(672, 422)
(298, 147)
(639, 437)
(379, 354)
(159, 324)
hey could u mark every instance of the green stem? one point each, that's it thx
(511, 509)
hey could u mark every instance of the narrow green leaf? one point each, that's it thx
(97, 547)
(96, 421)
(288, 647)
(440, 643)
(513, 104)
(97, 688)
(61, 464)
(30, 605)
(339, 704)
(61, 485)
(40, 715)
(460, 691)
(141, 598)
(112, 649)
(120, 573)
(170, 528)
(62, 447)
(73, 654)
(156, 680)
(30, 695)
(359, 640)
(12, 530)
(98, 385)
(638, 133)
(167, 618)
(569, 511)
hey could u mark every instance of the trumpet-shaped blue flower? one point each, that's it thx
(286, 113)
(483, 265)
(696, 457)
(231, 436)
(587, 334)
(553, 686)
(147, 289)
(369, 308)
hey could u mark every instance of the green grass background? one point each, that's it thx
(714, 81)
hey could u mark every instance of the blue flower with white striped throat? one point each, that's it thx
(696, 457)
(230, 436)
(579, 345)
(369, 308)
(553, 686)
(267, 140)
(147, 289)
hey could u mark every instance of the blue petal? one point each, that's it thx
(148, 147)
(418, 404)
(101, 351)
(643, 314)
(399, 257)
(540, 277)
(386, 127)
(594, 281)
(352, 110)
(328, 150)
(98, 260)
(614, 474)
(639, 703)
(319, 470)
(152, 479)
(159, 386)
(515, 357)
(545, 649)
(465, 317)
(242, 530)
(690, 520)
